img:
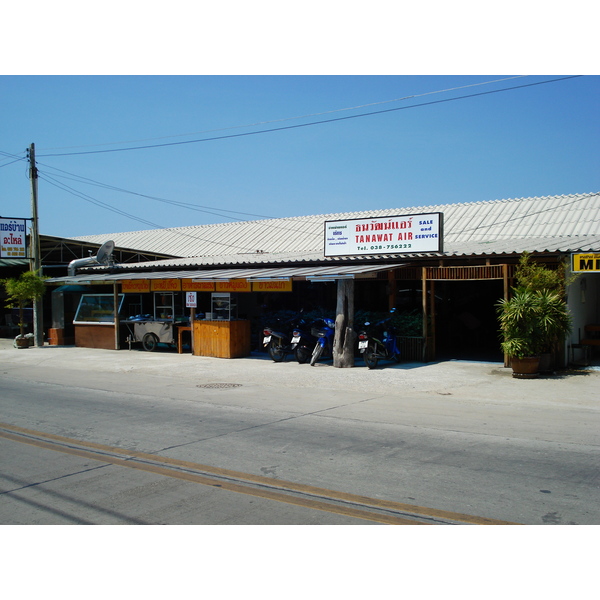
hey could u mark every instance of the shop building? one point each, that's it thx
(244, 268)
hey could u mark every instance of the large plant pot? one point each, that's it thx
(22, 342)
(525, 368)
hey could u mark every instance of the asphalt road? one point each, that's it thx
(129, 437)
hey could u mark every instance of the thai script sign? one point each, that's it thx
(13, 238)
(130, 286)
(402, 234)
(187, 285)
(272, 286)
(165, 285)
(586, 263)
(234, 285)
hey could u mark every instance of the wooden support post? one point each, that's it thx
(424, 306)
(116, 311)
(343, 343)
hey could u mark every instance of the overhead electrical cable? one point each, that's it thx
(198, 207)
(318, 114)
(289, 127)
(101, 204)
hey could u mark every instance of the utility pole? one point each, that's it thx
(38, 315)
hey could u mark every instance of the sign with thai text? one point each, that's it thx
(272, 286)
(135, 286)
(586, 263)
(403, 234)
(165, 285)
(13, 238)
(187, 285)
(234, 285)
(191, 300)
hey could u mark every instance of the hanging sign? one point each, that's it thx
(165, 285)
(187, 285)
(13, 238)
(190, 300)
(132, 286)
(403, 234)
(234, 285)
(272, 286)
(586, 263)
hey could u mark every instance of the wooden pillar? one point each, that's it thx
(392, 289)
(116, 311)
(344, 339)
(432, 313)
(424, 306)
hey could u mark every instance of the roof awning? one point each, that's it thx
(328, 273)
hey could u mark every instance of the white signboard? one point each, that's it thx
(190, 299)
(403, 234)
(13, 238)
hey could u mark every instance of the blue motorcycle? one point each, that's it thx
(323, 330)
(378, 342)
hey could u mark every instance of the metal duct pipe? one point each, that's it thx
(103, 257)
(80, 262)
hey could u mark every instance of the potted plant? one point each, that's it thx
(21, 291)
(532, 322)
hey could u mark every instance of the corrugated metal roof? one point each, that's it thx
(334, 271)
(565, 223)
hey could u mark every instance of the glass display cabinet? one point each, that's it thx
(223, 307)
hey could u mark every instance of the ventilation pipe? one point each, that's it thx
(102, 258)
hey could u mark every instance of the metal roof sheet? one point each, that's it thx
(334, 271)
(497, 226)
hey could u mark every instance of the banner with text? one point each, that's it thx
(13, 238)
(586, 263)
(402, 234)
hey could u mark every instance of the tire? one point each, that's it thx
(302, 354)
(276, 351)
(370, 356)
(150, 342)
(316, 354)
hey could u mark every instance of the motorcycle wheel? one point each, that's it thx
(150, 342)
(276, 352)
(370, 356)
(302, 354)
(316, 354)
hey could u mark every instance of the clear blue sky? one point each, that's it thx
(534, 141)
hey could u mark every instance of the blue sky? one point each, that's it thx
(533, 141)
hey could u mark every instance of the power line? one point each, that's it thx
(118, 211)
(327, 112)
(189, 205)
(288, 127)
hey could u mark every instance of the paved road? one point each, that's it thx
(98, 436)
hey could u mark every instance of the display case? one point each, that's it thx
(97, 309)
(223, 307)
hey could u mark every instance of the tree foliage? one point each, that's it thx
(23, 290)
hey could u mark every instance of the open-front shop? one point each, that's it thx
(207, 312)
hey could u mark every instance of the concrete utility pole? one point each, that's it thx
(38, 316)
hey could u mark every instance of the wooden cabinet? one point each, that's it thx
(222, 339)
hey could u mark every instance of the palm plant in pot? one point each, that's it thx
(532, 322)
(21, 291)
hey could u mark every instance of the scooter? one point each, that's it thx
(323, 330)
(378, 342)
(303, 344)
(279, 341)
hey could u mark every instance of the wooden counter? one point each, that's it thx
(222, 339)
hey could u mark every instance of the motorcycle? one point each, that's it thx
(279, 342)
(378, 342)
(303, 344)
(323, 330)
